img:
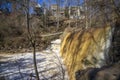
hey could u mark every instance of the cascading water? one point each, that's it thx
(85, 48)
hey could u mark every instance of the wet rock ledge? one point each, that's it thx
(110, 72)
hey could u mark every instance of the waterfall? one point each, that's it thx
(85, 48)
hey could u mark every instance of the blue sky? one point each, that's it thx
(6, 5)
(54, 1)
(9, 5)
(41, 1)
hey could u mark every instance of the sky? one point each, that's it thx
(6, 5)
(9, 5)
(54, 2)
(41, 1)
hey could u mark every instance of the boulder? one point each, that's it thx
(110, 72)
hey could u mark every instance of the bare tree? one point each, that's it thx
(58, 12)
(32, 39)
(86, 13)
(67, 4)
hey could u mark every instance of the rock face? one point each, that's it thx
(111, 72)
(85, 48)
(115, 48)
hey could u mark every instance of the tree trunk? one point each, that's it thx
(58, 13)
(86, 14)
(32, 41)
(34, 60)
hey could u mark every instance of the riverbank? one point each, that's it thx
(20, 66)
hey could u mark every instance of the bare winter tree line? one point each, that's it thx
(106, 11)
(96, 12)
